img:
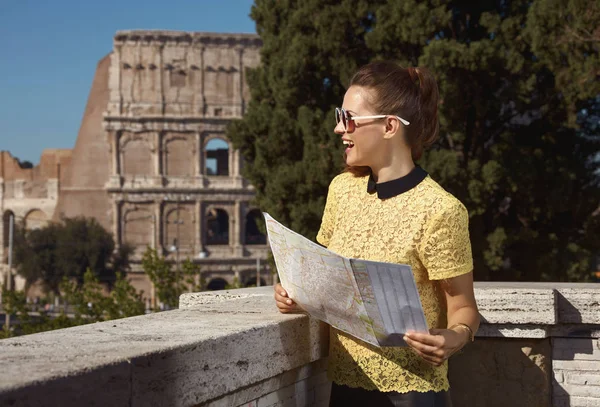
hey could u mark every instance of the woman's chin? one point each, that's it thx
(352, 162)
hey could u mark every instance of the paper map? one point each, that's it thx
(375, 302)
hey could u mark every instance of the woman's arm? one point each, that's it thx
(440, 344)
(460, 300)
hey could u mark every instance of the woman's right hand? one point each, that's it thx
(284, 303)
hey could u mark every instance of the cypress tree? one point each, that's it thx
(519, 113)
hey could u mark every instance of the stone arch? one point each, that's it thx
(35, 219)
(216, 160)
(179, 228)
(217, 227)
(252, 233)
(138, 227)
(179, 152)
(216, 284)
(136, 155)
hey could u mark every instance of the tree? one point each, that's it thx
(88, 300)
(519, 91)
(35, 256)
(168, 285)
(310, 49)
(91, 304)
(68, 249)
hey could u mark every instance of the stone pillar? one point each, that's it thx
(199, 227)
(115, 104)
(241, 100)
(156, 228)
(161, 81)
(116, 224)
(202, 79)
(116, 165)
(198, 173)
(238, 248)
(157, 154)
(197, 89)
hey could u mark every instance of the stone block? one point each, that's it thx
(579, 305)
(496, 372)
(251, 393)
(583, 378)
(590, 365)
(574, 390)
(516, 305)
(576, 348)
(566, 401)
(106, 386)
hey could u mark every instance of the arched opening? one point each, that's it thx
(35, 219)
(217, 227)
(179, 157)
(136, 158)
(138, 228)
(253, 235)
(217, 284)
(179, 229)
(217, 157)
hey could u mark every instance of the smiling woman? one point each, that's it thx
(399, 215)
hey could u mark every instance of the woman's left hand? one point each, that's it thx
(436, 346)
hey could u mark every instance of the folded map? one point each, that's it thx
(373, 301)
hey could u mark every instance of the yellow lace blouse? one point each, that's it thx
(425, 227)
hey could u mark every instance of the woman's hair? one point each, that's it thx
(410, 93)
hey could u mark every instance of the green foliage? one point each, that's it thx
(169, 284)
(519, 110)
(235, 284)
(68, 249)
(193, 279)
(89, 302)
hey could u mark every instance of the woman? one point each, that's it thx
(384, 208)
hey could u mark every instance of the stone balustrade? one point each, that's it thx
(538, 346)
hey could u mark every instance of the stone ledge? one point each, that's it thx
(220, 342)
(538, 303)
(182, 357)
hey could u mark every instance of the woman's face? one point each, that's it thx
(364, 145)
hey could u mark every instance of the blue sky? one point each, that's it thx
(50, 50)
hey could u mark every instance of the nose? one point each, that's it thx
(339, 129)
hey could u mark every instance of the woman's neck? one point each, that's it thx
(395, 170)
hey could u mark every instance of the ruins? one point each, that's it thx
(152, 162)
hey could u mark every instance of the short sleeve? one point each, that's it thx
(445, 249)
(329, 214)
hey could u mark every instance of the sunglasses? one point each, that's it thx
(341, 115)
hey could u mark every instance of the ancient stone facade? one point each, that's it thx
(28, 195)
(152, 162)
(175, 180)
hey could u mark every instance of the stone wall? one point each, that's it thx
(29, 195)
(152, 162)
(233, 348)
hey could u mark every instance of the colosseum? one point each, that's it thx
(152, 162)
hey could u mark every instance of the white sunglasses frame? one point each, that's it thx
(343, 111)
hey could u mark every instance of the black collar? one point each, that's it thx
(390, 189)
